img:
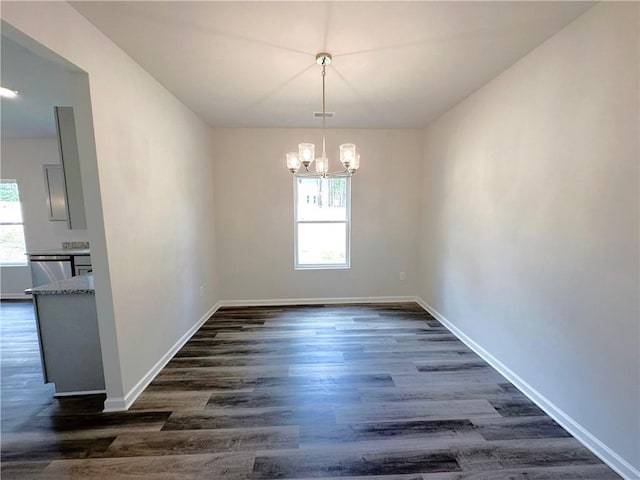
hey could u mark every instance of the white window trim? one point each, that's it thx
(14, 264)
(321, 266)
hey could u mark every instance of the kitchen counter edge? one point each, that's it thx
(61, 251)
(82, 284)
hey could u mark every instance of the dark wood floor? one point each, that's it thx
(366, 392)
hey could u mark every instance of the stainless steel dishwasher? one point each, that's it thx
(49, 268)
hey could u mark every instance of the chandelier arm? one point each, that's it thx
(308, 175)
(344, 170)
(311, 174)
(341, 173)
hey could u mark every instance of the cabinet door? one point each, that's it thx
(54, 186)
(83, 270)
(82, 265)
(82, 260)
(68, 145)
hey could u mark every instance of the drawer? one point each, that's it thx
(83, 270)
(82, 260)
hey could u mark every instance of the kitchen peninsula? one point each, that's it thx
(58, 264)
(68, 335)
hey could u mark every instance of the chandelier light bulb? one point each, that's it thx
(293, 164)
(354, 165)
(347, 154)
(322, 165)
(306, 153)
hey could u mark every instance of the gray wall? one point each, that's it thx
(529, 241)
(22, 160)
(148, 195)
(254, 221)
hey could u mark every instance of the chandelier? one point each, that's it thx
(300, 161)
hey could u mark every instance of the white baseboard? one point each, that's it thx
(120, 404)
(75, 394)
(608, 456)
(314, 301)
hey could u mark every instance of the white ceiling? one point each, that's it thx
(42, 84)
(252, 64)
(396, 64)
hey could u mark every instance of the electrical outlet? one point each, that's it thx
(403, 276)
(202, 290)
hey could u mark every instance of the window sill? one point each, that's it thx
(322, 267)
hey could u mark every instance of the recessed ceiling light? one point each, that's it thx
(8, 93)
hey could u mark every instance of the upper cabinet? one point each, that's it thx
(56, 192)
(68, 145)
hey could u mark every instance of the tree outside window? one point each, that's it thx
(12, 244)
(322, 216)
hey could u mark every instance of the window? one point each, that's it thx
(322, 215)
(12, 246)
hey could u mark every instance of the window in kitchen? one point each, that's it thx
(322, 216)
(12, 245)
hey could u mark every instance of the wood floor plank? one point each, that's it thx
(456, 364)
(228, 466)
(430, 410)
(574, 472)
(356, 392)
(409, 476)
(416, 347)
(516, 406)
(449, 378)
(250, 360)
(250, 417)
(378, 431)
(547, 452)
(380, 367)
(430, 392)
(172, 400)
(210, 384)
(518, 428)
(340, 464)
(54, 448)
(330, 381)
(277, 397)
(97, 421)
(18, 470)
(203, 441)
(242, 371)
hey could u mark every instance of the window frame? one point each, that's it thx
(347, 222)
(23, 263)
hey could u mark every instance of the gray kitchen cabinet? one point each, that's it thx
(69, 340)
(82, 265)
(70, 160)
(56, 194)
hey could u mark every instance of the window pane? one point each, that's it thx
(322, 243)
(9, 203)
(12, 247)
(322, 199)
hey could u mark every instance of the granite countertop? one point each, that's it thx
(61, 251)
(82, 284)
